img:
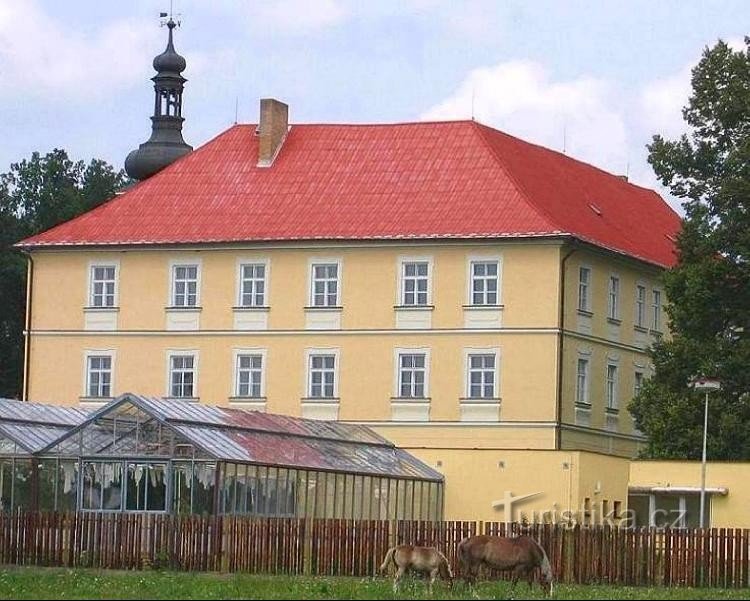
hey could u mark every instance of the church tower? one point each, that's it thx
(165, 144)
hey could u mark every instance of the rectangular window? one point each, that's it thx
(146, 487)
(611, 387)
(322, 376)
(103, 283)
(412, 372)
(249, 376)
(415, 276)
(252, 285)
(484, 282)
(656, 314)
(614, 298)
(99, 376)
(101, 486)
(640, 306)
(668, 510)
(582, 382)
(637, 383)
(482, 376)
(185, 286)
(584, 283)
(182, 376)
(325, 285)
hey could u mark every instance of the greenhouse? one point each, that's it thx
(154, 455)
(25, 429)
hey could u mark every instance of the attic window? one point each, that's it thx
(596, 209)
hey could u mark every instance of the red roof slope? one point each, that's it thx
(356, 182)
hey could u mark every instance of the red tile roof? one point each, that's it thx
(454, 179)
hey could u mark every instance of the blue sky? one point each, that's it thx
(597, 77)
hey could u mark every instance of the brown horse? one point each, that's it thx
(424, 560)
(520, 554)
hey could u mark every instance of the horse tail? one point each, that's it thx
(388, 559)
(544, 564)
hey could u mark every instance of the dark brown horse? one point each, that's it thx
(520, 554)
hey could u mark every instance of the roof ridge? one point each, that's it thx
(571, 158)
(478, 128)
(366, 124)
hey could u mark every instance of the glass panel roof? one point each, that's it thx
(33, 426)
(135, 425)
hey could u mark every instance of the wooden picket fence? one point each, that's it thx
(583, 555)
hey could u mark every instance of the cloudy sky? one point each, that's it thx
(598, 78)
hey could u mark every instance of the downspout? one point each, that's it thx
(27, 328)
(560, 338)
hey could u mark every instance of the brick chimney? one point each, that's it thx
(272, 129)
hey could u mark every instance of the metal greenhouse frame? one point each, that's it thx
(139, 454)
(25, 429)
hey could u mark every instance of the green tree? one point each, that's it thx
(709, 288)
(35, 195)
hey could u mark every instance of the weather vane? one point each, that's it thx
(167, 18)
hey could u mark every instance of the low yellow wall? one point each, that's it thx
(477, 479)
(729, 511)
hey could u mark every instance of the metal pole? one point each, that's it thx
(703, 464)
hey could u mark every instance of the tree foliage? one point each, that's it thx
(709, 288)
(36, 194)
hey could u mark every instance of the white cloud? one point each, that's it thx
(297, 16)
(736, 43)
(40, 56)
(662, 100)
(519, 98)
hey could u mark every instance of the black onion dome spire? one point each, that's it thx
(165, 144)
(169, 61)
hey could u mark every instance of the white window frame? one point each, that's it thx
(397, 352)
(586, 305)
(318, 261)
(241, 263)
(614, 292)
(186, 262)
(468, 353)
(116, 295)
(196, 364)
(641, 310)
(586, 402)
(657, 312)
(401, 266)
(309, 354)
(241, 352)
(612, 403)
(87, 354)
(471, 261)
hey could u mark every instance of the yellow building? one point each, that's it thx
(483, 302)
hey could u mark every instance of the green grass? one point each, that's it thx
(56, 583)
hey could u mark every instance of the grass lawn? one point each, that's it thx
(57, 583)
